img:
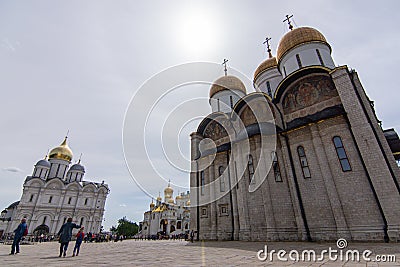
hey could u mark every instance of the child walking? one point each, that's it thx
(79, 238)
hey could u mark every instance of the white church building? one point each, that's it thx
(57, 191)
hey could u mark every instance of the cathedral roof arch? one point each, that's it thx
(74, 185)
(285, 83)
(90, 187)
(55, 183)
(35, 182)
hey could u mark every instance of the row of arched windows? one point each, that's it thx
(340, 151)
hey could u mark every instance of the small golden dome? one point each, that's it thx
(168, 190)
(227, 82)
(265, 65)
(171, 201)
(178, 197)
(61, 152)
(152, 205)
(188, 203)
(297, 37)
(159, 198)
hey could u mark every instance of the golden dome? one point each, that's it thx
(171, 201)
(227, 82)
(266, 64)
(61, 152)
(188, 203)
(159, 198)
(297, 37)
(152, 205)
(168, 190)
(178, 197)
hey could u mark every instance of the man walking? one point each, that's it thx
(18, 234)
(65, 235)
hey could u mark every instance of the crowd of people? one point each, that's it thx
(65, 236)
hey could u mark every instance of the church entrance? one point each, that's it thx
(41, 229)
(163, 226)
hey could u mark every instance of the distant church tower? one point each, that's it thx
(330, 172)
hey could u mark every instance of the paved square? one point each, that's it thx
(179, 253)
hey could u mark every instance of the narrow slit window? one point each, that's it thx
(303, 162)
(50, 199)
(69, 200)
(299, 61)
(275, 166)
(31, 198)
(284, 71)
(320, 57)
(218, 104)
(341, 153)
(202, 182)
(250, 167)
(86, 201)
(44, 220)
(221, 179)
(231, 100)
(269, 89)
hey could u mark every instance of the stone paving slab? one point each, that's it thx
(182, 253)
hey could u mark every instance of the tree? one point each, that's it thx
(126, 227)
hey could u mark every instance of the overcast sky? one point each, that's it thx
(77, 64)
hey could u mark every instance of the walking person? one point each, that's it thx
(18, 234)
(65, 235)
(79, 238)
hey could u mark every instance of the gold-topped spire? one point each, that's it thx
(62, 151)
(288, 21)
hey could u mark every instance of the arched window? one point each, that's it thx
(250, 167)
(303, 162)
(221, 178)
(275, 167)
(299, 61)
(202, 182)
(341, 153)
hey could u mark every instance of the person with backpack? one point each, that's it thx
(79, 238)
(65, 235)
(22, 230)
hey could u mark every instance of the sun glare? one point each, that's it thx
(196, 32)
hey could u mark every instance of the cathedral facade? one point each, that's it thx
(302, 158)
(55, 192)
(168, 217)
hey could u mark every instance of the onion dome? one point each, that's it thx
(297, 37)
(227, 82)
(61, 152)
(265, 65)
(43, 163)
(188, 203)
(159, 198)
(77, 167)
(171, 201)
(178, 197)
(152, 205)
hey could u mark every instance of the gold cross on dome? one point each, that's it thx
(288, 21)
(267, 39)
(224, 63)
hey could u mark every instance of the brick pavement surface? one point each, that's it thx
(181, 253)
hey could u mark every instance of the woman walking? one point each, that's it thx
(79, 238)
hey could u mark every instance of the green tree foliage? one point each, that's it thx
(126, 227)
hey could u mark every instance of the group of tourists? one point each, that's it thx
(65, 236)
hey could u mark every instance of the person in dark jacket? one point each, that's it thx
(18, 234)
(79, 238)
(65, 235)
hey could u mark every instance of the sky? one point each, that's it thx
(84, 66)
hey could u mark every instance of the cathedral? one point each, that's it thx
(54, 193)
(168, 217)
(303, 158)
